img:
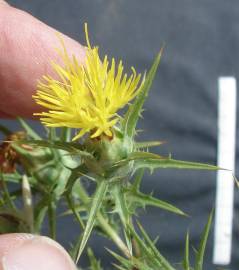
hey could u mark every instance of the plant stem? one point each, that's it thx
(52, 219)
(7, 195)
(76, 214)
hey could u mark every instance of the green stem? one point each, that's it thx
(72, 207)
(123, 212)
(52, 219)
(65, 134)
(7, 195)
(40, 211)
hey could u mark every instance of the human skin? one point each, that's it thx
(26, 46)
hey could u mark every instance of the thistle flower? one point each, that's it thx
(88, 96)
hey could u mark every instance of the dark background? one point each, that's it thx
(202, 43)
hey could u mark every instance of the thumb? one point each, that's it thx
(2, 2)
(28, 252)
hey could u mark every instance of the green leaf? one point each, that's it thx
(130, 120)
(95, 206)
(138, 179)
(120, 202)
(152, 161)
(125, 262)
(186, 263)
(140, 145)
(40, 211)
(203, 242)
(119, 267)
(122, 209)
(6, 195)
(30, 132)
(144, 200)
(157, 254)
(173, 164)
(39, 219)
(74, 209)
(146, 250)
(12, 177)
(66, 146)
(134, 156)
(131, 263)
(94, 263)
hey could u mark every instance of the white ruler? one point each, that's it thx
(225, 181)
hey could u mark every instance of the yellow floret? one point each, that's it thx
(88, 96)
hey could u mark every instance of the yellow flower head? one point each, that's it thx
(88, 96)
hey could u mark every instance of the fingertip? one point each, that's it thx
(27, 46)
(3, 3)
(26, 251)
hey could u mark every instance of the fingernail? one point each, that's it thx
(38, 253)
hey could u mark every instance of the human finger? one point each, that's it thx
(26, 47)
(28, 252)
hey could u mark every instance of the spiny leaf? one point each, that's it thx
(157, 254)
(203, 242)
(137, 155)
(94, 263)
(131, 118)
(66, 146)
(77, 208)
(131, 263)
(95, 206)
(30, 132)
(40, 211)
(186, 263)
(173, 164)
(39, 218)
(122, 209)
(144, 200)
(6, 195)
(12, 177)
(154, 161)
(125, 262)
(139, 145)
(74, 210)
(146, 250)
(119, 267)
(138, 179)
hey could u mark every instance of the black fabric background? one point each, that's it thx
(202, 43)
